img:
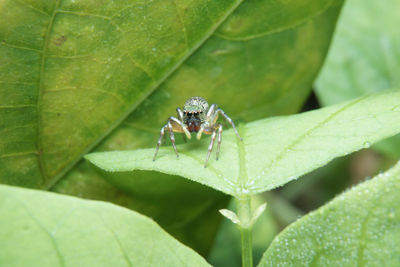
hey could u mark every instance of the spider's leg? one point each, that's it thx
(181, 127)
(211, 111)
(219, 139)
(172, 137)
(180, 117)
(173, 125)
(210, 120)
(162, 134)
(225, 122)
(210, 147)
(229, 120)
(200, 132)
(180, 113)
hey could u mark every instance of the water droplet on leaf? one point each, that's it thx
(366, 144)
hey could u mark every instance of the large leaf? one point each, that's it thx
(364, 57)
(274, 151)
(186, 210)
(72, 70)
(47, 229)
(359, 228)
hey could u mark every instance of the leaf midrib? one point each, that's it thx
(243, 174)
(69, 166)
(40, 91)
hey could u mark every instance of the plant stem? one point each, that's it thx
(247, 253)
(244, 214)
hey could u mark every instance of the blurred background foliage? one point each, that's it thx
(111, 74)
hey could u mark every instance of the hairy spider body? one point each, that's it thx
(196, 117)
(194, 113)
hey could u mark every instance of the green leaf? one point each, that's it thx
(274, 151)
(359, 228)
(47, 229)
(364, 56)
(72, 70)
(186, 210)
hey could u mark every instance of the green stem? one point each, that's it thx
(247, 253)
(244, 214)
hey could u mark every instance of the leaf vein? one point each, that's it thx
(125, 8)
(83, 14)
(20, 47)
(18, 154)
(22, 3)
(116, 96)
(140, 66)
(294, 25)
(281, 154)
(17, 106)
(182, 23)
(118, 241)
(41, 89)
(243, 178)
(41, 226)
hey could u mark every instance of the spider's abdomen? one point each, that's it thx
(195, 104)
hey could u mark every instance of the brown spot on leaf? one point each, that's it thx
(60, 40)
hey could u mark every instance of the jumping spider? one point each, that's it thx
(196, 117)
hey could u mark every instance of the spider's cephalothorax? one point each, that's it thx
(194, 113)
(196, 117)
